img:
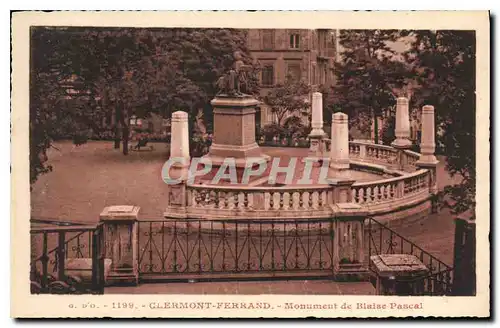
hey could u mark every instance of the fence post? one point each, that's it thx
(349, 258)
(121, 243)
(464, 257)
(61, 256)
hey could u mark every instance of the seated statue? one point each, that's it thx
(235, 82)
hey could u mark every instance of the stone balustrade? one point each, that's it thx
(267, 202)
(410, 157)
(212, 201)
(374, 153)
(410, 184)
(392, 189)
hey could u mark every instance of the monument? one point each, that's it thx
(234, 119)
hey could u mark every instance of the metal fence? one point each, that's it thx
(257, 249)
(380, 240)
(67, 259)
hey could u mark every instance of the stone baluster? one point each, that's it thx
(362, 151)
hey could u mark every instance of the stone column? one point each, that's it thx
(402, 124)
(427, 148)
(316, 136)
(179, 140)
(120, 242)
(339, 149)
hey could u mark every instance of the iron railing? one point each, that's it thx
(53, 253)
(235, 247)
(436, 284)
(381, 239)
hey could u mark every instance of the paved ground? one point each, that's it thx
(304, 287)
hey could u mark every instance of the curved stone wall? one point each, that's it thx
(406, 193)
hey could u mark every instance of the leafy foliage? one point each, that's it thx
(287, 99)
(444, 63)
(368, 75)
(122, 72)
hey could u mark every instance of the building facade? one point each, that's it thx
(307, 55)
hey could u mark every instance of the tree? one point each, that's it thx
(444, 63)
(288, 99)
(123, 72)
(368, 74)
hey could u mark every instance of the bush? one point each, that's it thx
(272, 131)
(388, 131)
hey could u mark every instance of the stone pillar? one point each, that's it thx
(316, 136)
(317, 115)
(402, 124)
(427, 158)
(120, 242)
(348, 253)
(179, 142)
(339, 149)
(427, 144)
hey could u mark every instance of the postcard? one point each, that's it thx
(250, 164)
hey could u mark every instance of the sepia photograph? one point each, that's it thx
(233, 161)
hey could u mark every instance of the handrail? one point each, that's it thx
(413, 245)
(258, 188)
(374, 145)
(57, 222)
(83, 228)
(390, 180)
(80, 229)
(412, 153)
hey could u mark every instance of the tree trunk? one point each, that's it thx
(117, 129)
(117, 137)
(125, 134)
(375, 127)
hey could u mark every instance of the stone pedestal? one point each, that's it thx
(339, 149)
(402, 124)
(176, 201)
(234, 131)
(120, 242)
(394, 273)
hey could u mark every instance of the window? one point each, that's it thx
(268, 39)
(294, 41)
(294, 72)
(268, 75)
(313, 74)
